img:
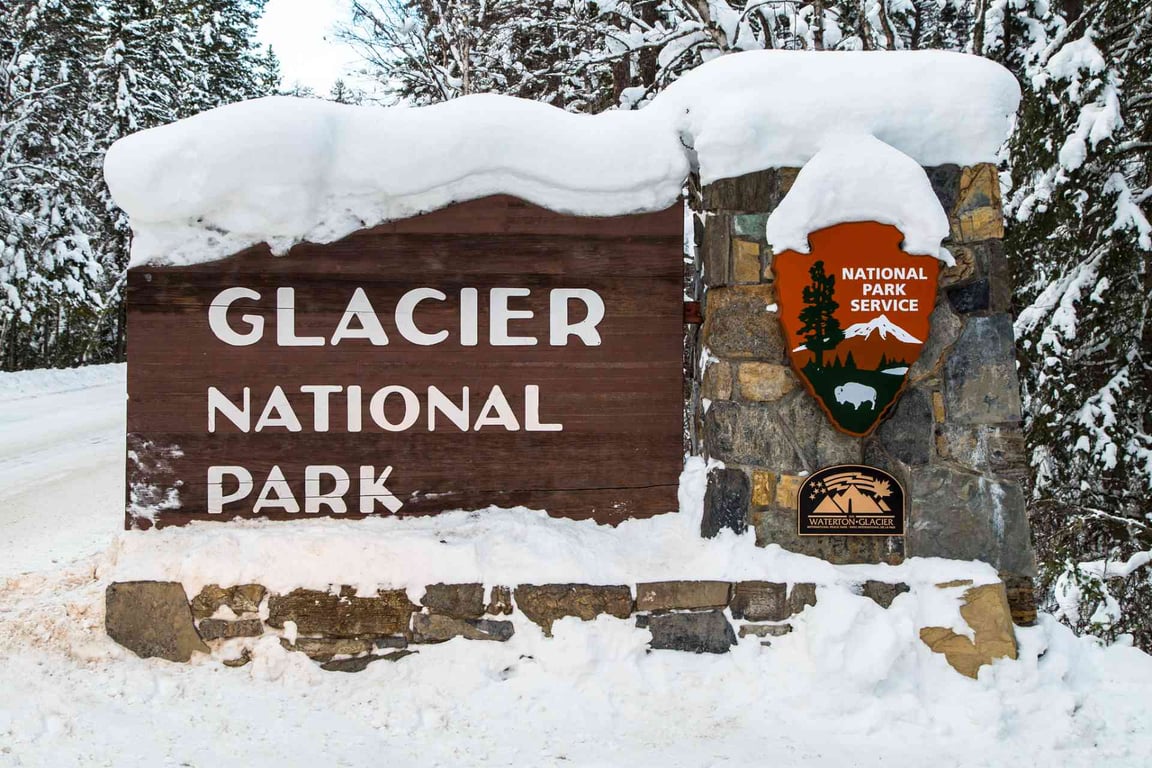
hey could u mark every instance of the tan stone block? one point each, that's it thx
(938, 407)
(963, 269)
(682, 595)
(544, 604)
(978, 209)
(763, 487)
(717, 383)
(737, 324)
(765, 382)
(787, 490)
(986, 612)
(745, 262)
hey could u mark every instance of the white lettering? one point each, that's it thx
(283, 499)
(532, 412)
(559, 329)
(438, 401)
(500, 315)
(372, 490)
(406, 308)
(361, 310)
(320, 393)
(240, 417)
(411, 408)
(278, 413)
(218, 318)
(216, 496)
(504, 417)
(314, 498)
(286, 322)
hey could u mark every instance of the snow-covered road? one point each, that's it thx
(851, 686)
(61, 452)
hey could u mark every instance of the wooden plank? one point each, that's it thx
(618, 454)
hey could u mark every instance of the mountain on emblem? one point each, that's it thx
(855, 314)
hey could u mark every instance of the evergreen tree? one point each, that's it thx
(818, 315)
(1080, 239)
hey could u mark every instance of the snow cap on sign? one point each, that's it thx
(860, 178)
(775, 109)
(282, 170)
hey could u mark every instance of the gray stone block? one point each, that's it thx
(970, 297)
(980, 373)
(705, 632)
(219, 629)
(360, 663)
(969, 517)
(883, 593)
(682, 595)
(430, 628)
(725, 502)
(463, 601)
(945, 180)
(945, 328)
(152, 619)
(907, 433)
(760, 601)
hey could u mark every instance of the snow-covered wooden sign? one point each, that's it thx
(490, 353)
(855, 313)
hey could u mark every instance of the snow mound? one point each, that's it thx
(860, 178)
(763, 109)
(282, 170)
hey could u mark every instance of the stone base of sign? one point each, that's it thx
(344, 632)
(954, 439)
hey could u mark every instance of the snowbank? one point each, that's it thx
(859, 178)
(283, 170)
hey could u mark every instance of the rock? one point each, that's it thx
(725, 502)
(967, 516)
(705, 632)
(763, 487)
(359, 663)
(778, 526)
(745, 262)
(737, 323)
(752, 192)
(945, 180)
(788, 490)
(753, 226)
(789, 436)
(800, 597)
(765, 630)
(969, 297)
(760, 601)
(343, 615)
(944, 329)
(245, 598)
(326, 648)
(1021, 593)
(715, 252)
(717, 382)
(681, 595)
(462, 601)
(431, 628)
(980, 373)
(244, 657)
(907, 432)
(986, 449)
(152, 619)
(219, 629)
(883, 593)
(977, 214)
(500, 602)
(965, 268)
(986, 612)
(765, 382)
(544, 604)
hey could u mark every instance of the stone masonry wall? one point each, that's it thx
(954, 439)
(344, 631)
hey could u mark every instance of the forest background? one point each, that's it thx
(75, 75)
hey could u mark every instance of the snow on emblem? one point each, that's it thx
(855, 314)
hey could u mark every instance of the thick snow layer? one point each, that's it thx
(852, 685)
(860, 178)
(764, 109)
(283, 170)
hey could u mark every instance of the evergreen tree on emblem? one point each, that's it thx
(818, 316)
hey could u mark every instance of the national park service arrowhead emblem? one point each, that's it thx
(850, 500)
(855, 314)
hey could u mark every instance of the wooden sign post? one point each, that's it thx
(491, 353)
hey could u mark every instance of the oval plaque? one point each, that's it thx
(850, 500)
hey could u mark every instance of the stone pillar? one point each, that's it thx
(954, 439)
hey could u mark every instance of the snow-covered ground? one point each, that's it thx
(852, 686)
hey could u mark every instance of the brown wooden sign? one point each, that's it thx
(855, 313)
(491, 353)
